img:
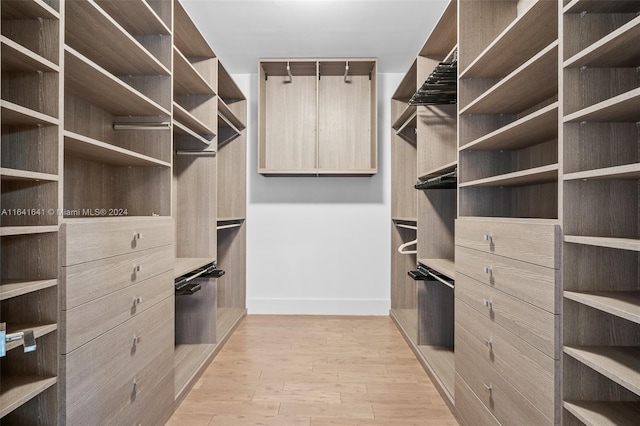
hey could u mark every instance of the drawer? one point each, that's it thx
(507, 405)
(471, 411)
(90, 320)
(531, 323)
(527, 369)
(89, 281)
(529, 241)
(84, 241)
(156, 407)
(100, 374)
(532, 283)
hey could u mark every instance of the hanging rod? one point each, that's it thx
(402, 225)
(197, 153)
(426, 272)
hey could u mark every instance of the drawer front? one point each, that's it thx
(157, 406)
(89, 281)
(528, 370)
(92, 319)
(527, 241)
(100, 374)
(471, 411)
(507, 405)
(531, 283)
(85, 241)
(532, 324)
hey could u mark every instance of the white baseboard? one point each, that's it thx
(319, 306)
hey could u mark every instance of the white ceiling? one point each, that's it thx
(242, 31)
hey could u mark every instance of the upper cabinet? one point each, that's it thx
(318, 117)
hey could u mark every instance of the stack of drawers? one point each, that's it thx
(117, 321)
(506, 321)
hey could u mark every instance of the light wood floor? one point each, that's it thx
(314, 370)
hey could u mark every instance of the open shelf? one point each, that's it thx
(605, 413)
(109, 45)
(187, 80)
(223, 109)
(94, 150)
(515, 45)
(6, 231)
(439, 171)
(441, 360)
(615, 243)
(13, 174)
(39, 330)
(623, 304)
(446, 267)
(599, 6)
(17, 390)
(15, 57)
(408, 85)
(136, 16)
(181, 129)
(13, 114)
(407, 116)
(184, 265)
(533, 176)
(621, 48)
(539, 126)
(186, 36)
(620, 364)
(88, 81)
(187, 119)
(228, 90)
(624, 107)
(530, 84)
(188, 359)
(227, 132)
(28, 9)
(13, 288)
(628, 171)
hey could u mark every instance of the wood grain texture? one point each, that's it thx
(620, 364)
(187, 38)
(534, 284)
(594, 413)
(582, 383)
(403, 290)
(196, 314)
(534, 325)
(41, 36)
(436, 129)
(436, 216)
(471, 411)
(312, 370)
(403, 176)
(435, 315)
(137, 16)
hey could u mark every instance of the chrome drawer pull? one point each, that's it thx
(489, 344)
(488, 237)
(488, 303)
(137, 301)
(137, 268)
(137, 235)
(488, 270)
(136, 340)
(489, 388)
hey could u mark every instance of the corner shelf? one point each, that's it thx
(623, 304)
(528, 85)
(541, 125)
(28, 9)
(515, 45)
(88, 81)
(624, 107)
(532, 176)
(615, 243)
(95, 150)
(619, 364)
(122, 54)
(13, 288)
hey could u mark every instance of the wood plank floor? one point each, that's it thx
(314, 370)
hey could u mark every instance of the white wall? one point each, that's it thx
(319, 245)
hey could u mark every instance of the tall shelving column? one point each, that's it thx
(508, 234)
(117, 232)
(424, 146)
(600, 115)
(30, 173)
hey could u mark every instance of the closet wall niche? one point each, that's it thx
(317, 117)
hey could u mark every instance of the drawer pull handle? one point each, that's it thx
(489, 343)
(489, 388)
(137, 268)
(488, 303)
(488, 237)
(137, 301)
(136, 340)
(488, 270)
(137, 235)
(135, 385)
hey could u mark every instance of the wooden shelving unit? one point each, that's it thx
(601, 174)
(30, 178)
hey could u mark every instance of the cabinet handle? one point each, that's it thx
(488, 270)
(489, 343)
(135, 385)
(488, 237)
(137, 301)
(489, 388)
(488, 303)
(137, 268)
(136, 340)
(137, 235)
